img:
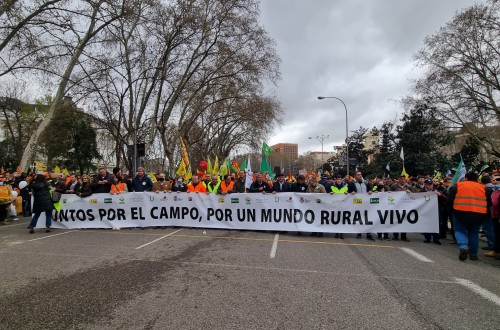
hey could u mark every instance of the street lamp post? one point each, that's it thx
(321, 139)
(346, 128)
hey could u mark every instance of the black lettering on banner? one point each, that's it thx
(357, 218)
(223, 215)
(184, 212)
(245, 215)
(134, 213)
(412, 217)
(80, 215)
(194, 213)
(102, 213)
(346, 218)
(287, 215)
(309, 216)
(400, 216)
(90, 215)
(367, 221)
(174, 213)
(266, 216)
(324, 217)
(152, 213)
(383, 218)
(299, 214)
(210, 213)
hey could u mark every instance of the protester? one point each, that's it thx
(102, 182)
(400, 186)
(196, 186)
(300, 185)
(73, 185)
(212, 186)
(119, 185)
(495, 216)
(360, 185)
(179, 185)
(85, 189)
(259, 185)
(315, 187)
(429, 187)
(468, 206)
(226, 186)
(42, 202)
(5, 199)
(141, 181)
(239, 185)
(281, 185)
(162, 184)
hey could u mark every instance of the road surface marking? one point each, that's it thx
(479, 290)
(36, 239)
(416, 255)
(156, 240)
(275, 246)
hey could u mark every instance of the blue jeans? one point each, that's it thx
(48, 221)
(489, 232)
(467, 235)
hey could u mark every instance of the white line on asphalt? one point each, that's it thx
(156, 240)
(479, 290)
(36, 239)
(416, 255)
(275, 246)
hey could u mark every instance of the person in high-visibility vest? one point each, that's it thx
(196, 186)
(226, 186)
(213, 185)
(338, 187)
(468, 205)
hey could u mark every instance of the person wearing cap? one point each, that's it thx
(429, 186)
(281, 185)
(400, 186)
(468, 205)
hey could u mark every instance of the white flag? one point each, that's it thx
(402, 155)
(249, 176)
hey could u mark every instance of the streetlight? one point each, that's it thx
(346, 128)
(321, 139)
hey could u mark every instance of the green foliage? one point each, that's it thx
(83, 147)
(469, 152)
(422, 136)
(356, 144)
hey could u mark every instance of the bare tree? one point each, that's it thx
(462, 66)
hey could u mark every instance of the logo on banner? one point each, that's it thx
(427, 198)
(121, 200)
(374, 200)
(391, 200)
(151, 198)
(137, 199)
(290, 199)
(108, 200)
(164, 199)
(318, 201)
(276, 199)
(410, 200)
(64, 200)
(93, 201)
(221, 200)
(303, 200)
(235, 200)
(178, 199)
(248, 200)
(190, 199)
(357, 201)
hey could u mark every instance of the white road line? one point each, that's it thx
(36, 239)
(416, 255)
(156, 240)
(479, 290)
(275, 246)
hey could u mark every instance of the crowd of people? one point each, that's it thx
(468, 206)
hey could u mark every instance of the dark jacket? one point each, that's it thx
(285, 187)
(299, 187)
(353, 187)
(255, 187)
(142, 184)
(41, 197)
(239, 186)
(85, 190)
(103, 187)
(59, 186)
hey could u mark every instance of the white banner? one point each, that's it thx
(360, 213)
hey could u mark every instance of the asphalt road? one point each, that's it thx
(181, 278)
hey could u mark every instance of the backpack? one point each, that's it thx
(5, 194)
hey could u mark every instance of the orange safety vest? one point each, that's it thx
(199, 188)
(117, 188)
(225, 188)
(471, 197)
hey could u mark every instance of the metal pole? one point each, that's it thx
(346, 127)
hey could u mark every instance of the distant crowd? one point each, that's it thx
(470, 205)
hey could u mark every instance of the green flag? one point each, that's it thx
(266, 150)
(460, 173)
(264, 167)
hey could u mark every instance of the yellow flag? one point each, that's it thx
(65, 171)
(216, 166)
(57, 170)
(404, 173)
(152, 176)
(184, 166)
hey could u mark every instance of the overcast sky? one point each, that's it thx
(357, 50)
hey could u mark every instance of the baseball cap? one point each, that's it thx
(428, 181)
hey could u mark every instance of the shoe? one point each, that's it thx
(473, 258)
(2, 223)
(405, 239)
(463, 254)
(437, 242)
(395, 238)
(29, 227)
(370, 238)
(487, 248)
(299, 233)
(15, 219)
(320, 234)
(491, 254)
(32, 230)
(337, 236)
(313, 234)
(341, 236)
(387, 239)
(358, 236)
(427, 241)
(453, 242)
(47, 230)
